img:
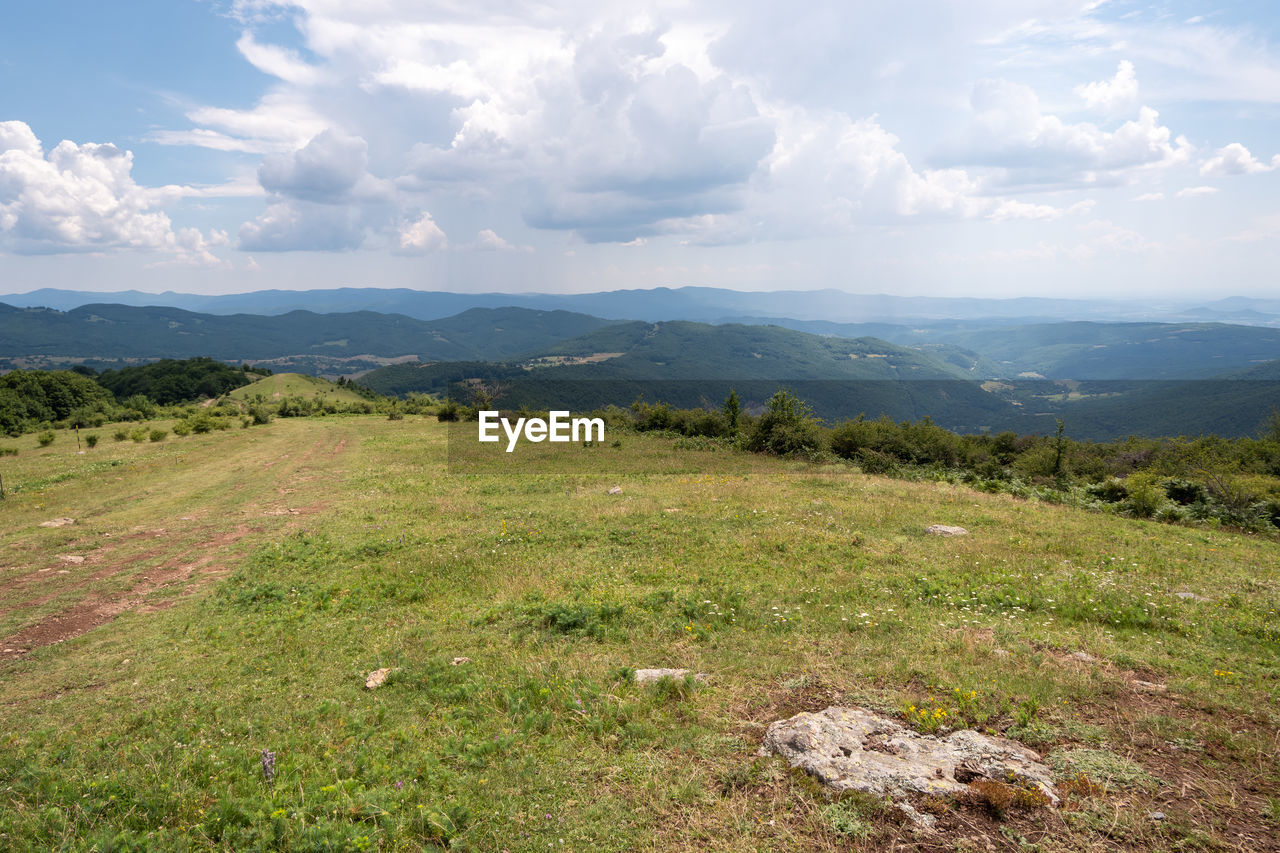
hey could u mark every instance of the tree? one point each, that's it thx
(732, 411)
(786, 427)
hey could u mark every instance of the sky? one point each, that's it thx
(1065, 148)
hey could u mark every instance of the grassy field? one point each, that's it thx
(280, 385)
(221, 594)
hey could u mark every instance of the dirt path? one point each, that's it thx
(225, 496)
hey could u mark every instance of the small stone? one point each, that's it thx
(376, 678)
(1149, 687)
(649, 676)
(460, 661)
(1084, 657)
(1190, 596)
(945, 530)
(1001, 653)
(616, 490)
(1156, 815)
(73, 559)
(57, 522)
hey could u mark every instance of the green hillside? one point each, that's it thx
(1121, 350)
(281, 385)
(103, 332)
(681, 350)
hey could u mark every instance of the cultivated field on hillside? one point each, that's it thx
(202, 599)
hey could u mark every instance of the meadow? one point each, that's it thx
(224, 593)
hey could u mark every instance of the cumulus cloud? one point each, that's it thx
(331, 168)
(295, 225)
(321, 198)
(489, 240)
(1030, 147)
(1235, 159)
(710, 124)
(1116, 96)
(77, 198)
(422, 235)
(1196, 192)
(611, 142)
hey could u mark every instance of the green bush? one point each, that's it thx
(8, 451)
(182, 429)
(119, 435)
(139, 435)
(91, 439)
(1145, 494)
(785, 428)
(45, 438)
(447, 411)
(158, 434)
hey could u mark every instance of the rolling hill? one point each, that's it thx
(281, 385)
(108, 332)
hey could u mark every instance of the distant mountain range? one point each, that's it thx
(1104, 379)
(701, 304)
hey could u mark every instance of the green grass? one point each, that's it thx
(281, 385)
(793, 586)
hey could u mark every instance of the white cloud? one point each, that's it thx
(282, 121)
(1116, 96)
(77, 198)
(1196, 192)
(1011, 133)
(1235, 159)
(331, 168)
(488, 240)
(277, 61)
(1157, 196)
(423, 235)
(295, 225)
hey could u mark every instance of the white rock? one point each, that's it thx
(945, 530)
(616, 490)
(57, 522)
(855, 749)
(649, 676)
(376, 678)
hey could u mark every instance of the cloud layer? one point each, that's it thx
(411, 130)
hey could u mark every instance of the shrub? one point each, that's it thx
(785, 428)
(1145, 495)
(447, 411)
(8, 451)
(158, 434)
(261, 415)
(91, 439)
(45, 438)
(1111, 490)
(182, 428)
(119, 435)
(139, 435)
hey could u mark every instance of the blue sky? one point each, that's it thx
(993, 148)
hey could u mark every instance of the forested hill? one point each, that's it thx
(681, 350)
(120, 331)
